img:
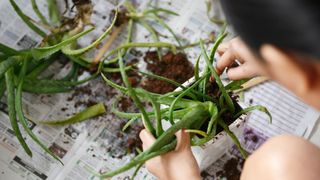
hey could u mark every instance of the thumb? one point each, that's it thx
(183, 140)
(146, 138)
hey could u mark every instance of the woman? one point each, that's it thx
(279, 39)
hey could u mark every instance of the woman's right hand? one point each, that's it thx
(237, 50)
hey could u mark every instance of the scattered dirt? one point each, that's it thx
(82, 91)
(250, 136)
(173, 66)
(124, 104)
(125, 142)
(231, 169)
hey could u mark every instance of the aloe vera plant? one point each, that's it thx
(183, 112)
(20, 70)
(18, 75)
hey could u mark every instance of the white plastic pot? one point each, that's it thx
(210, 152)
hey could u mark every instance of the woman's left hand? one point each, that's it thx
(175, 165)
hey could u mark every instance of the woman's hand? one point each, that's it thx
(236, 50)
(177, 164)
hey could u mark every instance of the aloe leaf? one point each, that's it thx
(217, 78)
(2, 87)
(72, 74)
(216, 45)
(213, 119)
(163, 24)
(129, 6)
(7, 50)
(80, 60)
(53, 12)
(68, 51)
(40, 53)
(41, 88)
(252, 108)
(196, 68)
(135, 98)
(132, 120)
(7, 64)
(141, 158)
(114, 70)
(162, 99)
(52, 86)
(12, 111)
(157, 10)
(161, 78)
(195, 131)
(23, 121)
(165, 142)
(191, 94)
(114, 85)
(38, 13)
(183, 93)
(237, 84)
(209, 63)
(154, 35)
(88, 113)
(157, 114)
(136, 171)
(243, 152)
(141, 45)
(26, 19)
(41, 67)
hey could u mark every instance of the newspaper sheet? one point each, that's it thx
(96, 143)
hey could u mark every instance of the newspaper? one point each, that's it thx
(96, 143)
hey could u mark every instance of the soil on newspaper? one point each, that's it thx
(172, 66)
(231, 169)
(130, 138)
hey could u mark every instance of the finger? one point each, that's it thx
(183, 140)
(222, 48)
(225, 61)
(146, 138)
(242, 72)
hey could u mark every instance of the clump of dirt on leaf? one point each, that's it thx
(172, 66)
(122, 16)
